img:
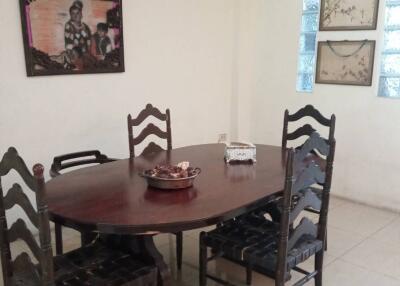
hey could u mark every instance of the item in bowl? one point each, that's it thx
(182, 170)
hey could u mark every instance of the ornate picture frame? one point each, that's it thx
(345, 62)
(347, 15)
(72, 36)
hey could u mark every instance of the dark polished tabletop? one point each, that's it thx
(113, 198)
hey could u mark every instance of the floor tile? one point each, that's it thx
(389, 234)
(335, 202)
(70, 244)
(360, 219)
(342, 273)
(377, 256)
(66, 232)
(70, 233)
(190, 252)
(340, 241)
(164, 238)
(308, 265)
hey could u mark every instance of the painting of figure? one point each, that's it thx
(72, 36)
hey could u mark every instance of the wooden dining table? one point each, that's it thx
(113, 199)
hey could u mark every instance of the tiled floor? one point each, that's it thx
(363, 249)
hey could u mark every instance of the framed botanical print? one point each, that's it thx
(345, 62)
(343, 15)
(72, 36)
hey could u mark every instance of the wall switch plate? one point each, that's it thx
(222, 138)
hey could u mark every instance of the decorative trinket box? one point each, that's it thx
(240, 152)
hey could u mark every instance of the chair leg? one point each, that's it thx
(179, 249)
(280, 277)
(202, 261)
(58, 235)
(319, 263)
(249, 274)
(326, 239)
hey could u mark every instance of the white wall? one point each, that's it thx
(226, 66)
(367, 162)
(178, 54)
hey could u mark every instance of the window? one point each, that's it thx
(309, 28)
(389, 82)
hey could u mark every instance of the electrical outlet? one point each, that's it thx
(222, 138)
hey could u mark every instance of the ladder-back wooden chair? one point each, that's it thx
(93, 264)
(150, 129)
(277, 248)
(153, 147)
(68, 161)
(305, 131)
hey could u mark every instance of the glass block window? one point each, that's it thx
(309, 28)
(389, 82)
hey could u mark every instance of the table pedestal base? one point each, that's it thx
(143, 246)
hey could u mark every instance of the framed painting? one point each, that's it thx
(72, 36)
(345, 15)
(345, 62)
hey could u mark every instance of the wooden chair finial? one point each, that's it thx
(12, 150)
(38, 170)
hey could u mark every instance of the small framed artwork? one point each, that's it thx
(345, 62)
(72, 36)
(344, 15)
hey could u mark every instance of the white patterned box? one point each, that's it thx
(237, 151)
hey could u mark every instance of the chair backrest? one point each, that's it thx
(77, 159)
(307, 129)
(150, 129)
(301, 175)
(43, 274)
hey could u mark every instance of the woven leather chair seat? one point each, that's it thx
(254, 239)
(97, 265)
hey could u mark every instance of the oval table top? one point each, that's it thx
(113, 198)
